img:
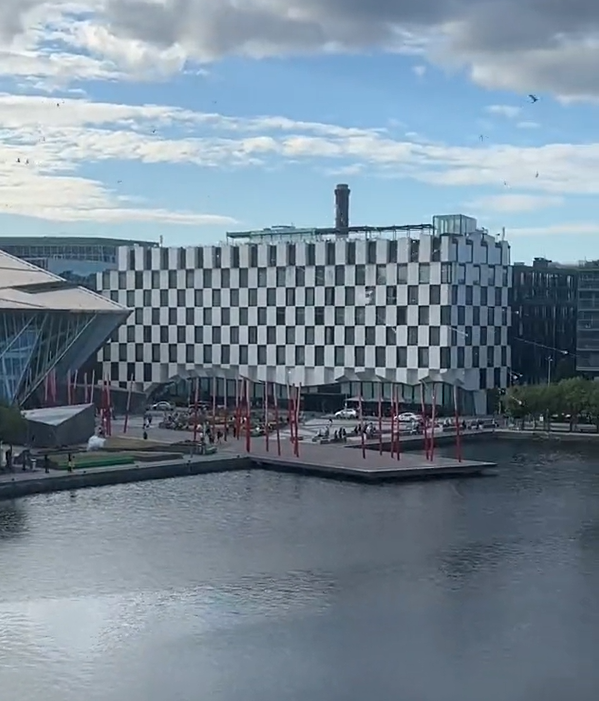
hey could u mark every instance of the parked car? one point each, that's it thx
(408, 417)
(346, 414)
(162, 406)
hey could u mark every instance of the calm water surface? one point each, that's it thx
(260, 587)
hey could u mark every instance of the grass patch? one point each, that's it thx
(82, 461)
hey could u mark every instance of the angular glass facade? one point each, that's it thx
(33, 343)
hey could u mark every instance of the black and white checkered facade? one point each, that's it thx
(316, 312)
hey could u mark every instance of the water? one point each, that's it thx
(264, 587)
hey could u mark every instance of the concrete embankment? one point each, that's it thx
(416, 443)
(27, 483)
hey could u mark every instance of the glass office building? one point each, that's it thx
(47, 325)
(76, 259)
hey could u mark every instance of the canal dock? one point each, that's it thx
(325, 461)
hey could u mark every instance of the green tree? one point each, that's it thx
(592, 402)
(572, 398)
(13, 427)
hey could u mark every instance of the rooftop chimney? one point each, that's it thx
(342, 193)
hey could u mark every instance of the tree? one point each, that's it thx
(592, 402)
(13, 427)
(572, 398)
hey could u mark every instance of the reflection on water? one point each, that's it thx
(13, 519)
(265, 587)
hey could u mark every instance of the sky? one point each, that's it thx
(185, 119)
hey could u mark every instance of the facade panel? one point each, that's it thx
(317, 312)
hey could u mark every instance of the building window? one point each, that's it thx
(380, 357)
(446, 277)
(272, 256)
(300, 355)
(253, 251)
(445, 358)
(371, 252)
(412, 335)
(392, 251)
(330, 253)
(360, 274)
(401, 357)
(291, 254)
(310, 254)
(414, 251)
(423, 316)
(424, 273)
(423, 358)
(181, 259)
(350, 253)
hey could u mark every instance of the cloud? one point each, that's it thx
(521, 45)
(528, 125)
(508, 111)
(514, 203)
(419, 70)
(45, 143)
(565, 229)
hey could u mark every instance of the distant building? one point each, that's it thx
(587, 333)
(543, 301)
(76, 259)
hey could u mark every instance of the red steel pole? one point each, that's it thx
(248, 427)
(276, 408)
(126, 424)
(266, 437)
(458, 438)
(433, 418)
(381, 418)
(362, 428)
(424, 419)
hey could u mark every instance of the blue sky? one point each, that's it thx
(117, 134)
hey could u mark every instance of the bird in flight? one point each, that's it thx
(533, 98)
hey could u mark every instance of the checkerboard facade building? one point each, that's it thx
(317, 312)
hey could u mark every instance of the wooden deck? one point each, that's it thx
(334, 460)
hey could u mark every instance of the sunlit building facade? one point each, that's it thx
(374, 308)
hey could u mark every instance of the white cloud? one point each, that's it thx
(518, 45)
(514, 203)
(565, 229)
(58, 137)
(508, 111)
(528, 125)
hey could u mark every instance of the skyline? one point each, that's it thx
(184, 120)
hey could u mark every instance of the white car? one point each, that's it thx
(162, 406)
(346, 414)
(408, 417)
